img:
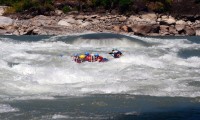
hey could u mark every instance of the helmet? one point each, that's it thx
(87, 53)
(75, 54)
(82, 56)
(96, 55)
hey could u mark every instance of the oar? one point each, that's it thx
(112, 54)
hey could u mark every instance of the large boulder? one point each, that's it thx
(126, 28)
(5, 22)
(180, 25)
(189, 31)
(172, 30)
(167, 20)
(164, 29)
(141, 29)
(181, 22)
(122, 19)
(116, 28)
(149, 16)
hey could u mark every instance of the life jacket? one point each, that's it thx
(99, 58)
(90, 58)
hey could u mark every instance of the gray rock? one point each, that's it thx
(164, 29)
(180, 27)
(133, 18)
(197, 21)
(168, 21)
(85, 24)
(5, 22)
(58, 12)
(141, 29)
(149, 16)
(116, 28)
(181, 22)
(81, 17)
(70, 20)
(2, 32)
(63, 22)
(2, 10)
(197, 32)
(172, 30)
(122, 19)
(16, 32)
(189, 31)
(189, 22)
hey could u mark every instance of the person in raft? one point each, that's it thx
(100, 58)
(82, 57)
(89, 57)
(76, 58)
(116, 53)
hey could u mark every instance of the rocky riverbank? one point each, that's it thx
(144, 24)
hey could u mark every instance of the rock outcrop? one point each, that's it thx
(146, 24)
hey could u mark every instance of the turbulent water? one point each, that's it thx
(156, 78)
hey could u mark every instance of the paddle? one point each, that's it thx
(112, 54)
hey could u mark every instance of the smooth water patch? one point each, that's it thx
(98, 107)
(186, 53)
(27, 38)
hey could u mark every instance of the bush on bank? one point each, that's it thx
(45, 7)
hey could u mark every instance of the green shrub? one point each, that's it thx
(18, 6)
(9, 10)
(22, 5)
(156, 6)
(124, 2)
(48, 7)
(104, 3)
(66, 9)
(124, 5)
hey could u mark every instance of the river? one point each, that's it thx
(157, 78)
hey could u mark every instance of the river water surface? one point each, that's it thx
(157, 78)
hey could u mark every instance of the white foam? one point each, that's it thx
(155, 70)
(4, 108)
(57, 116)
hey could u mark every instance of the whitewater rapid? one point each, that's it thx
(42, 67)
